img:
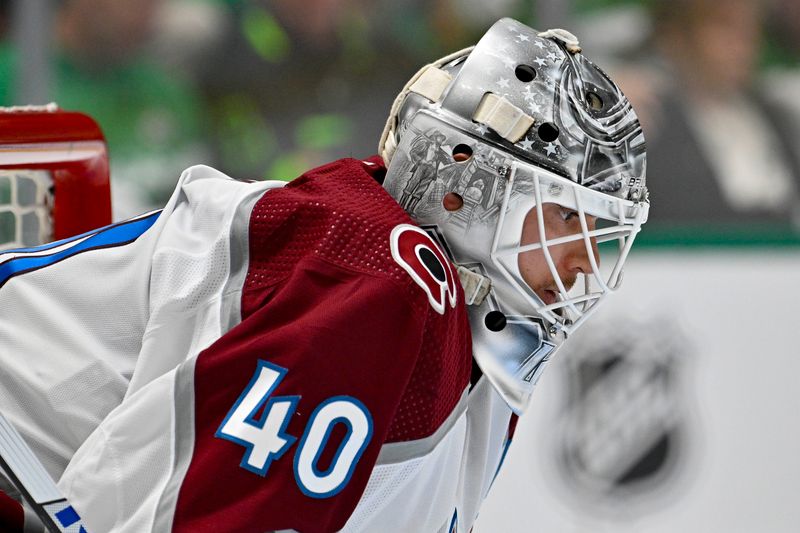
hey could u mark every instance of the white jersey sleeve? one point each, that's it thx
(449, 473)
(79, 316)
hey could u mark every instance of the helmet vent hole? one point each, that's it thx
(548, 132)
(525, 73)
(594, 101)
(461, 153)
(452, 201)
(495, 320)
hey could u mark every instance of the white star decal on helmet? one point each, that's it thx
(527, 94)
(527, 144)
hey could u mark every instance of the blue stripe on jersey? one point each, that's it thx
(56, 244)
(453, 523)
(107, 237)
(67, 516)
(506, 446)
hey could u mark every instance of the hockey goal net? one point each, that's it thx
(54, 175)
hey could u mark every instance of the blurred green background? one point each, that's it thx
(266, 89)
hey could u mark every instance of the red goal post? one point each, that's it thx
(54, 175)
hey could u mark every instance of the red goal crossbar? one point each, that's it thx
(67, 149)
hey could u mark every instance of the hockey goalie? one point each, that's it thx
(346, 352)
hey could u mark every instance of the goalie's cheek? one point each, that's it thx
(534, 270)
(569, 259)
(532, 264)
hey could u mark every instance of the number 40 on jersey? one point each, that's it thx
(265, 439)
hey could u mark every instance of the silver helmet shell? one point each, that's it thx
(521, 120)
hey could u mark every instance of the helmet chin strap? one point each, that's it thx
(430, 81)
(476, 286)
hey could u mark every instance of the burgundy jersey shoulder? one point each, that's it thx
(338, 213)
(341, 214)
(344, 345)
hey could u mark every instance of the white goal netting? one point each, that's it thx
(26, 202)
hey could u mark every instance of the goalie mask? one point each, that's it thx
(495, 151)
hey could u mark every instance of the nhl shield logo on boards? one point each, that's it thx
(623, 427)
(418, 254)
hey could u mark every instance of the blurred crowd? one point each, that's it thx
(716, 86)
(269, 88)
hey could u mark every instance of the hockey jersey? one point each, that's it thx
(255, 357)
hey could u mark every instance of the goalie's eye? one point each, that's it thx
(568, 214)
